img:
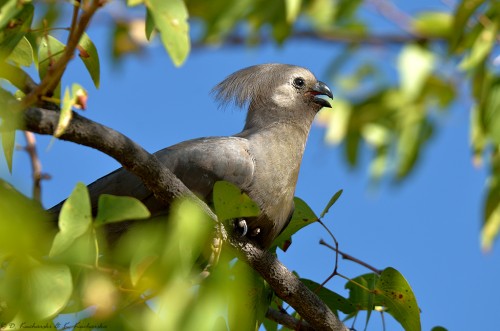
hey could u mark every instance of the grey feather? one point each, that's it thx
(263, 160)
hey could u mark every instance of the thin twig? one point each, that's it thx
(287, 320)
(350, 257)
(36, 165)
(53, 77)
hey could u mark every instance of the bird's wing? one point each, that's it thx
(198, 163)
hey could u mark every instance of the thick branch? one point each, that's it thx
(166, 187)
(288, 287)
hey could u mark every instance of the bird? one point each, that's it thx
(263, 160)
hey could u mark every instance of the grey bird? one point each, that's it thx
(263, 160)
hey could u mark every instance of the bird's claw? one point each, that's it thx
(242, 224)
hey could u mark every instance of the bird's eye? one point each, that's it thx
(299, 82)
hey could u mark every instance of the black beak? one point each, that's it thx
(321, 89)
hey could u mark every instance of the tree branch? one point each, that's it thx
(289, 321)
(166, 187)
(287, 286)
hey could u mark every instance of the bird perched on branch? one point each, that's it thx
(263, 160)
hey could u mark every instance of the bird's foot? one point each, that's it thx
(255, 232)
(242, 226)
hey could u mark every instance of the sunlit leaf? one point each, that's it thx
(22, 54)
(302, 216)
(491, 209)
(415, 64)
(49, 52)
(230, 202)
(336, 120)
(433, 24)
(330, 203)
(15, 31)
(65, 115)
(170, 18)
(491, 110)
(8, 143)
(461, 16)
(132, 3)
(393, 292)
(292, 9)
(117, 208)
(8, 10)
(88, 54)
(482, 46)
(74, 220)
(48, 289)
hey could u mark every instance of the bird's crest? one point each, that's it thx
(250, 85)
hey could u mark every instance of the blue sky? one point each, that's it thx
(427, 227)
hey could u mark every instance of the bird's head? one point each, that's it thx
(274, 93)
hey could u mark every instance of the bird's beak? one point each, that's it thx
(321, 89)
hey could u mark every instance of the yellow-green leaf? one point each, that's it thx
(292, 9)
(116, 208)
(22, 54)
(19, 26)
(433, 24)
(132, 3)
(74, 220)
(302, 216)
(415, 64)
(482, 46)
(230, 202)
(8, 10)
(65, 114)
(88, 54)
(393, 292)
(48, 289)
(8, 144)
(170, 18)
(49, 52)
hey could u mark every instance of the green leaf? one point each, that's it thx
(292, 10)
(8, 10)
(415, 64)
(491, 111)
(170, 18)
(461, 16)
(230, 202)
(75, 219)
(150, 24)
(49, 288)
(49, 52)
(394, 292)
(15, 31)
(333, 300)
(88, 54)
(491, 208)
(433, 24)
(113, 209)
(65, 115)
(133, 3)
(8, 144)
(302, 216)
(361, 293)
(438, 328)
(330, 203)
(482, 47)
(22, 54)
